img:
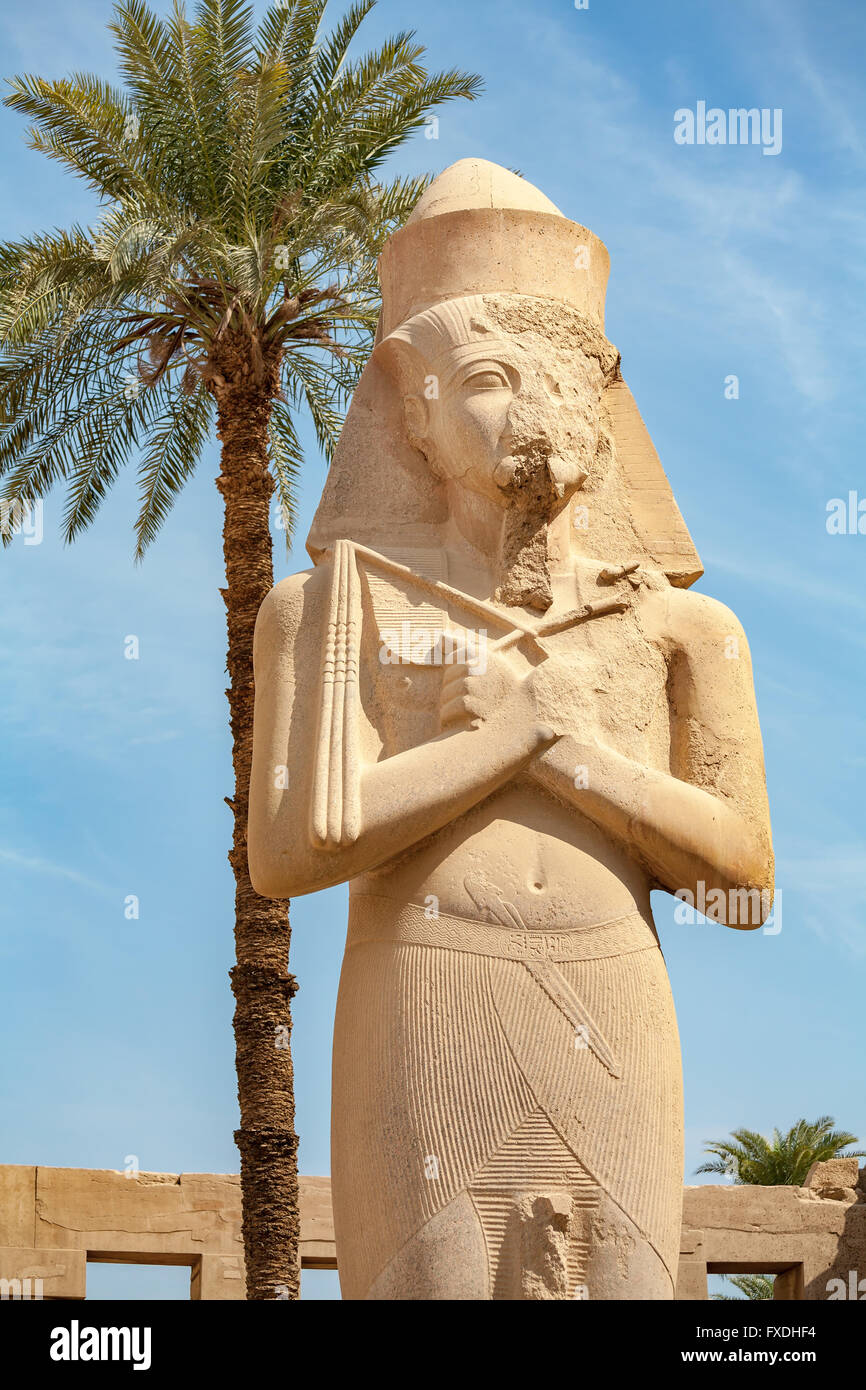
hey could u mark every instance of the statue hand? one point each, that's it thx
(487, 690)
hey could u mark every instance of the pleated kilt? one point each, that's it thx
(471, 1058)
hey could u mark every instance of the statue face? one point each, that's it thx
(471, 422)
(510, 415)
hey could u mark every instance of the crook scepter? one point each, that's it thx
(336, 804)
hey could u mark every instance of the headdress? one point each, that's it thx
(478, 230)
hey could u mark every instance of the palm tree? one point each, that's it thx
(752, 1286)
(229, 280)
(785, 1160)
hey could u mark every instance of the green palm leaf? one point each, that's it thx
(239, 171)
(172, 451)
(756, 1287)
(748, 1157)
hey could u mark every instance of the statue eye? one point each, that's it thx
(490, 379)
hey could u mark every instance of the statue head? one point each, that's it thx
(499, 398)
(501, 394)
(493, 398)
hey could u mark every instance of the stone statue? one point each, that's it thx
(494, 707)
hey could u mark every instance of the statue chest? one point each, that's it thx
(611, 682)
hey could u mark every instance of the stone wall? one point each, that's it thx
(813, 1238)
(53, 1220)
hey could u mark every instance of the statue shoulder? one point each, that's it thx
(695, 619)
(289, 603)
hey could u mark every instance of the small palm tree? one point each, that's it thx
(229, 281)
(783, 1161)
(751, 1286)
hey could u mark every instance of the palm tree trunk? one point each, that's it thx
(261, 984)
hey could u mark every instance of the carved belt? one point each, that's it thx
(377, 919)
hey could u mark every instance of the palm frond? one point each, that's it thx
(749, 1157)
(172, 450)
(242, 212)
(755, 1287)
(287, 460)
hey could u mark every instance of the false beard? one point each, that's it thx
(533, 499)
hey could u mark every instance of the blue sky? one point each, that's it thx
(116, 1033)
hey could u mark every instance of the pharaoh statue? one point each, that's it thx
(495, 708)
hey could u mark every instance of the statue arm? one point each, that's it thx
(707, 819)
(403, 798)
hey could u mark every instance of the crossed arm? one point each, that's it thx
(404, 798)
(706, 820)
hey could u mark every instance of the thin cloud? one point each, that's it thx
(732, 229)
(835, 100)
(28, 863)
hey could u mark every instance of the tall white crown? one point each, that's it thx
(480, 229)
